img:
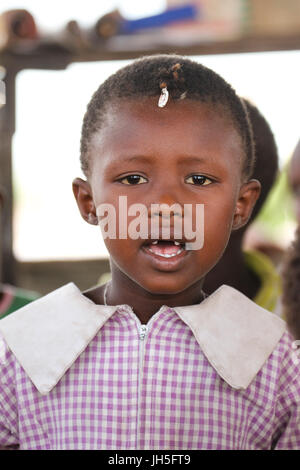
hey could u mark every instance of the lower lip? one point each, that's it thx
(166, 264)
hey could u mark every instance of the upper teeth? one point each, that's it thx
(156, 242)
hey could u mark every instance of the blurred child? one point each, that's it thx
(294, 180)
(252, 272)
(291, 287)
(146, 361)
(291, 269)
(12, 298)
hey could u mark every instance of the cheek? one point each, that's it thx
(124, 252)
(218, 220)
(121, 255)
(218, 216)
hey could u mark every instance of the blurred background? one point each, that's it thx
(55, 54)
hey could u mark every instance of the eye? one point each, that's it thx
(199, 180)
(133, 179)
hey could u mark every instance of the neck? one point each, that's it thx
(122, 290)
(232, 270)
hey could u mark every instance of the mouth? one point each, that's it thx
(165, 248)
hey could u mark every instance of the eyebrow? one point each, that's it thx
(192, 160)
(145, 159)
(138, 158)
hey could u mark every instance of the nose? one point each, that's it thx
(165, 201)
(164, 210)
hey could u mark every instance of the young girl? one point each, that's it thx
(148, 361)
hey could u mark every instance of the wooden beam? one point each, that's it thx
(57, 58)
(7, 129)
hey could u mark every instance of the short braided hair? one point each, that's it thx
(184, 78)
(266, 164)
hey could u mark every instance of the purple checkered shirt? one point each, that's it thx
(131, 386)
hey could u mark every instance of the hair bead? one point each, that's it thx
(163, 99)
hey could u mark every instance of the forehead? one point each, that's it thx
(180, 128)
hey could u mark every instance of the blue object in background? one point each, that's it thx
(172, 15)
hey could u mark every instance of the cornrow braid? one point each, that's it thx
(184, 79)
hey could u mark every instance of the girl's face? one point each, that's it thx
(185, 153)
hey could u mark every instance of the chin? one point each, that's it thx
(165, 286)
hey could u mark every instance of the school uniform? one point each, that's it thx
(222, 374)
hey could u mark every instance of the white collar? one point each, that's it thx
(48, 335)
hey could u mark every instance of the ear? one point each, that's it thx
(84, 198)
(248, 195)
